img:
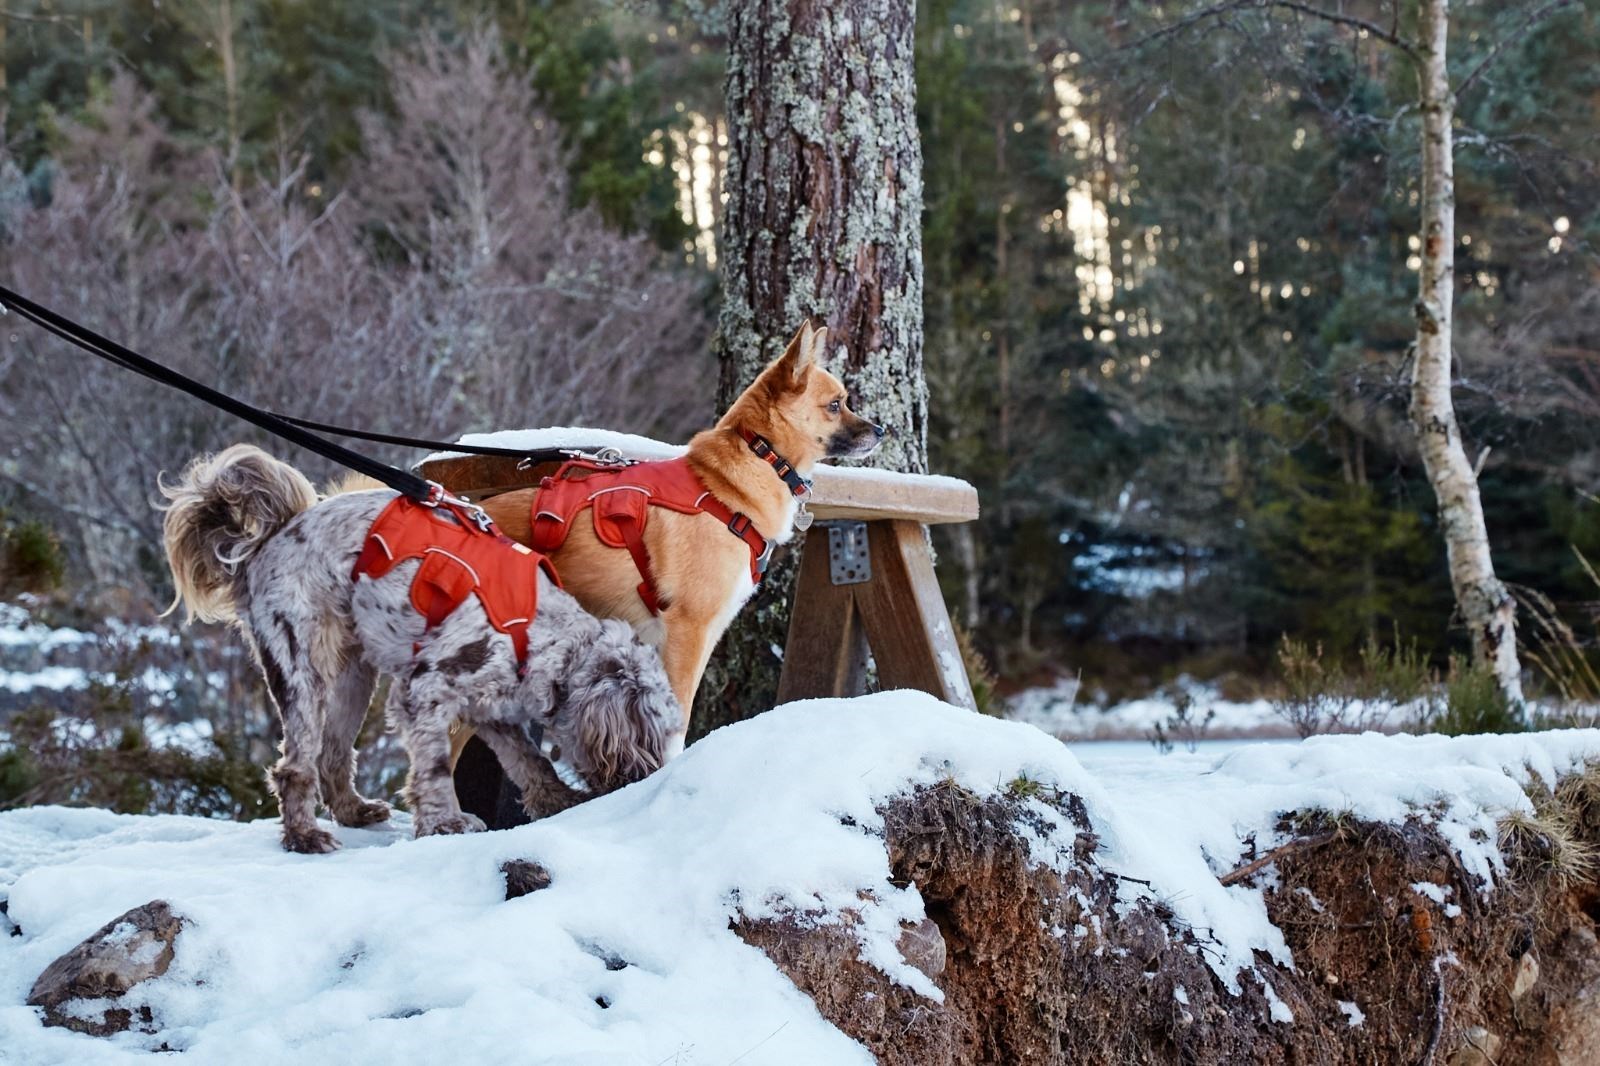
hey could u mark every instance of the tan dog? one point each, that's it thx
(702, 573)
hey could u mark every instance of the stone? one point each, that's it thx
(1573, 1033)
(127, 951)
(922, 946)
(1478, 1048)
(1525, 976)
(523, 877)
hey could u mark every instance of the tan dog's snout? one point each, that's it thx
(856, 437)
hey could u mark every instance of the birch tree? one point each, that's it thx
(1486, 606)
(1483, 602)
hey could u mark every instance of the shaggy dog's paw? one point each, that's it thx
(309, 841)
(455, 823)
(366, 812)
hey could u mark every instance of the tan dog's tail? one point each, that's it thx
(351, 482)
(222, 509)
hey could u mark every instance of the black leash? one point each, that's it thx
(534, 456)
(296, 430)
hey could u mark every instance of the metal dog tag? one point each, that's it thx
(803, 519)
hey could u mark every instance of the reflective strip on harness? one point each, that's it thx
(459, 559)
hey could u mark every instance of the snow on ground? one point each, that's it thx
(18, 629)
(400, 950)
(29, 651)
(49, 678)
(1060, 710)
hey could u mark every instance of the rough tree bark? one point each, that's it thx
(822, 219)
(1486, 607)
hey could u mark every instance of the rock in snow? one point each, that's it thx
(523, 877)
(858, 823)
(127, 951)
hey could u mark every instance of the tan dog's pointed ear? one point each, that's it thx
(806, 349)
(817, 350)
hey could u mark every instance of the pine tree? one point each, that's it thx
(823, 220)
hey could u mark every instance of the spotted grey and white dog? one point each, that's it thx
(250, 543)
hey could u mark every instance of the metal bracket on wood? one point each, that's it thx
(849, 557)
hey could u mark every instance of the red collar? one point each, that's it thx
(798, 485)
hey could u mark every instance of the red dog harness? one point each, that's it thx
(621, 497)
(462, 554)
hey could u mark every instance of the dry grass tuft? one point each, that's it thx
(1579, 795)
(1547, 844)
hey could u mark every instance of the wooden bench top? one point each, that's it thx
(859, 493)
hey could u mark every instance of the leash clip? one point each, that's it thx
(438, 496)
(600, 456)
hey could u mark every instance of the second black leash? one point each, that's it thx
(295, 430)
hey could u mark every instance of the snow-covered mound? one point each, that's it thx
(400, 950)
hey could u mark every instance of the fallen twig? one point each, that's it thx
(1237, 875)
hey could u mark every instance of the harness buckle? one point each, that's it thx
(764, 558)
(735, 528)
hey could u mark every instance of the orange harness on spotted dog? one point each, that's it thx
(462, 555)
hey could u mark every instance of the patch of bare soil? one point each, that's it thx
(1037, 966)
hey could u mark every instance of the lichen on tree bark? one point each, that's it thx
(822, 220)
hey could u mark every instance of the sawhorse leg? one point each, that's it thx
(899, 612)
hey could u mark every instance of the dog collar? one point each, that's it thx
(798, 485)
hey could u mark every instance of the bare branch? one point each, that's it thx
(1220, 10)
(513, 308)
(1535, 16)
(1194, 18)
(1386, 36)
(28, 16)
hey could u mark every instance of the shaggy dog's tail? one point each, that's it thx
(223, 508)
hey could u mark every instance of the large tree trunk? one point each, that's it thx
(1485, 605)
(823, 219)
